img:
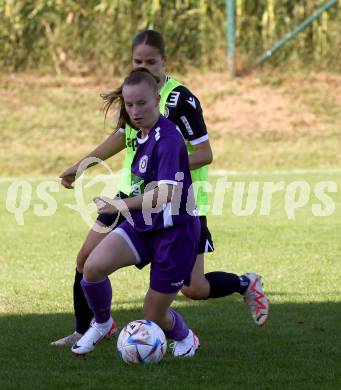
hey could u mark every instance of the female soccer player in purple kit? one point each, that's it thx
(162, 228)
(180, 106)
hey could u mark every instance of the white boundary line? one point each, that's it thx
(216, 172)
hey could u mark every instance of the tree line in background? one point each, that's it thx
(89, 36)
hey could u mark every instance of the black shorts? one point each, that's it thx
(205, 242)
(113, 220)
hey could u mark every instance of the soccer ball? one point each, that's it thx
(141, 342)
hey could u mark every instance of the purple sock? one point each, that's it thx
(179, 329)
(98, 295)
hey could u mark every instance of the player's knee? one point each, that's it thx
(88, 271)
(93, 272)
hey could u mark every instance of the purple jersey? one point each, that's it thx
(162, 157)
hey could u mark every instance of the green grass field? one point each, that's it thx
(299, 347)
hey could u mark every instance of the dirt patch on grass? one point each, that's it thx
(256, 105)
(261, 120)
(248, 106)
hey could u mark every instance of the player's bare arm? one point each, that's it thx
(108, 148)
(201, 156)
(154, 198)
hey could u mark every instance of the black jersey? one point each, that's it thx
(184, 109)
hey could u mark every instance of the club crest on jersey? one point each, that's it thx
(143, 164)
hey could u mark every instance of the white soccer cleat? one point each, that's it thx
(186, 347)
(255, 299)
(93, 335)
(67, 341)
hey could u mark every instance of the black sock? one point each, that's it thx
(83, 313)
(223, 283)
(244, 283)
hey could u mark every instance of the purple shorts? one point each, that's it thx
(172, 253)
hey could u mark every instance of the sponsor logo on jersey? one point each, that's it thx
(173, 99)
(191, 101)
(143, 164)
(137, 185)
(166, 114)
(131, 143)
(178, 283)
(187, 125)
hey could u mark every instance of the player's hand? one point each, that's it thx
(68, 177)
(106, 205)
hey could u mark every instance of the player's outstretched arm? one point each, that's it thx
(108, 148)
